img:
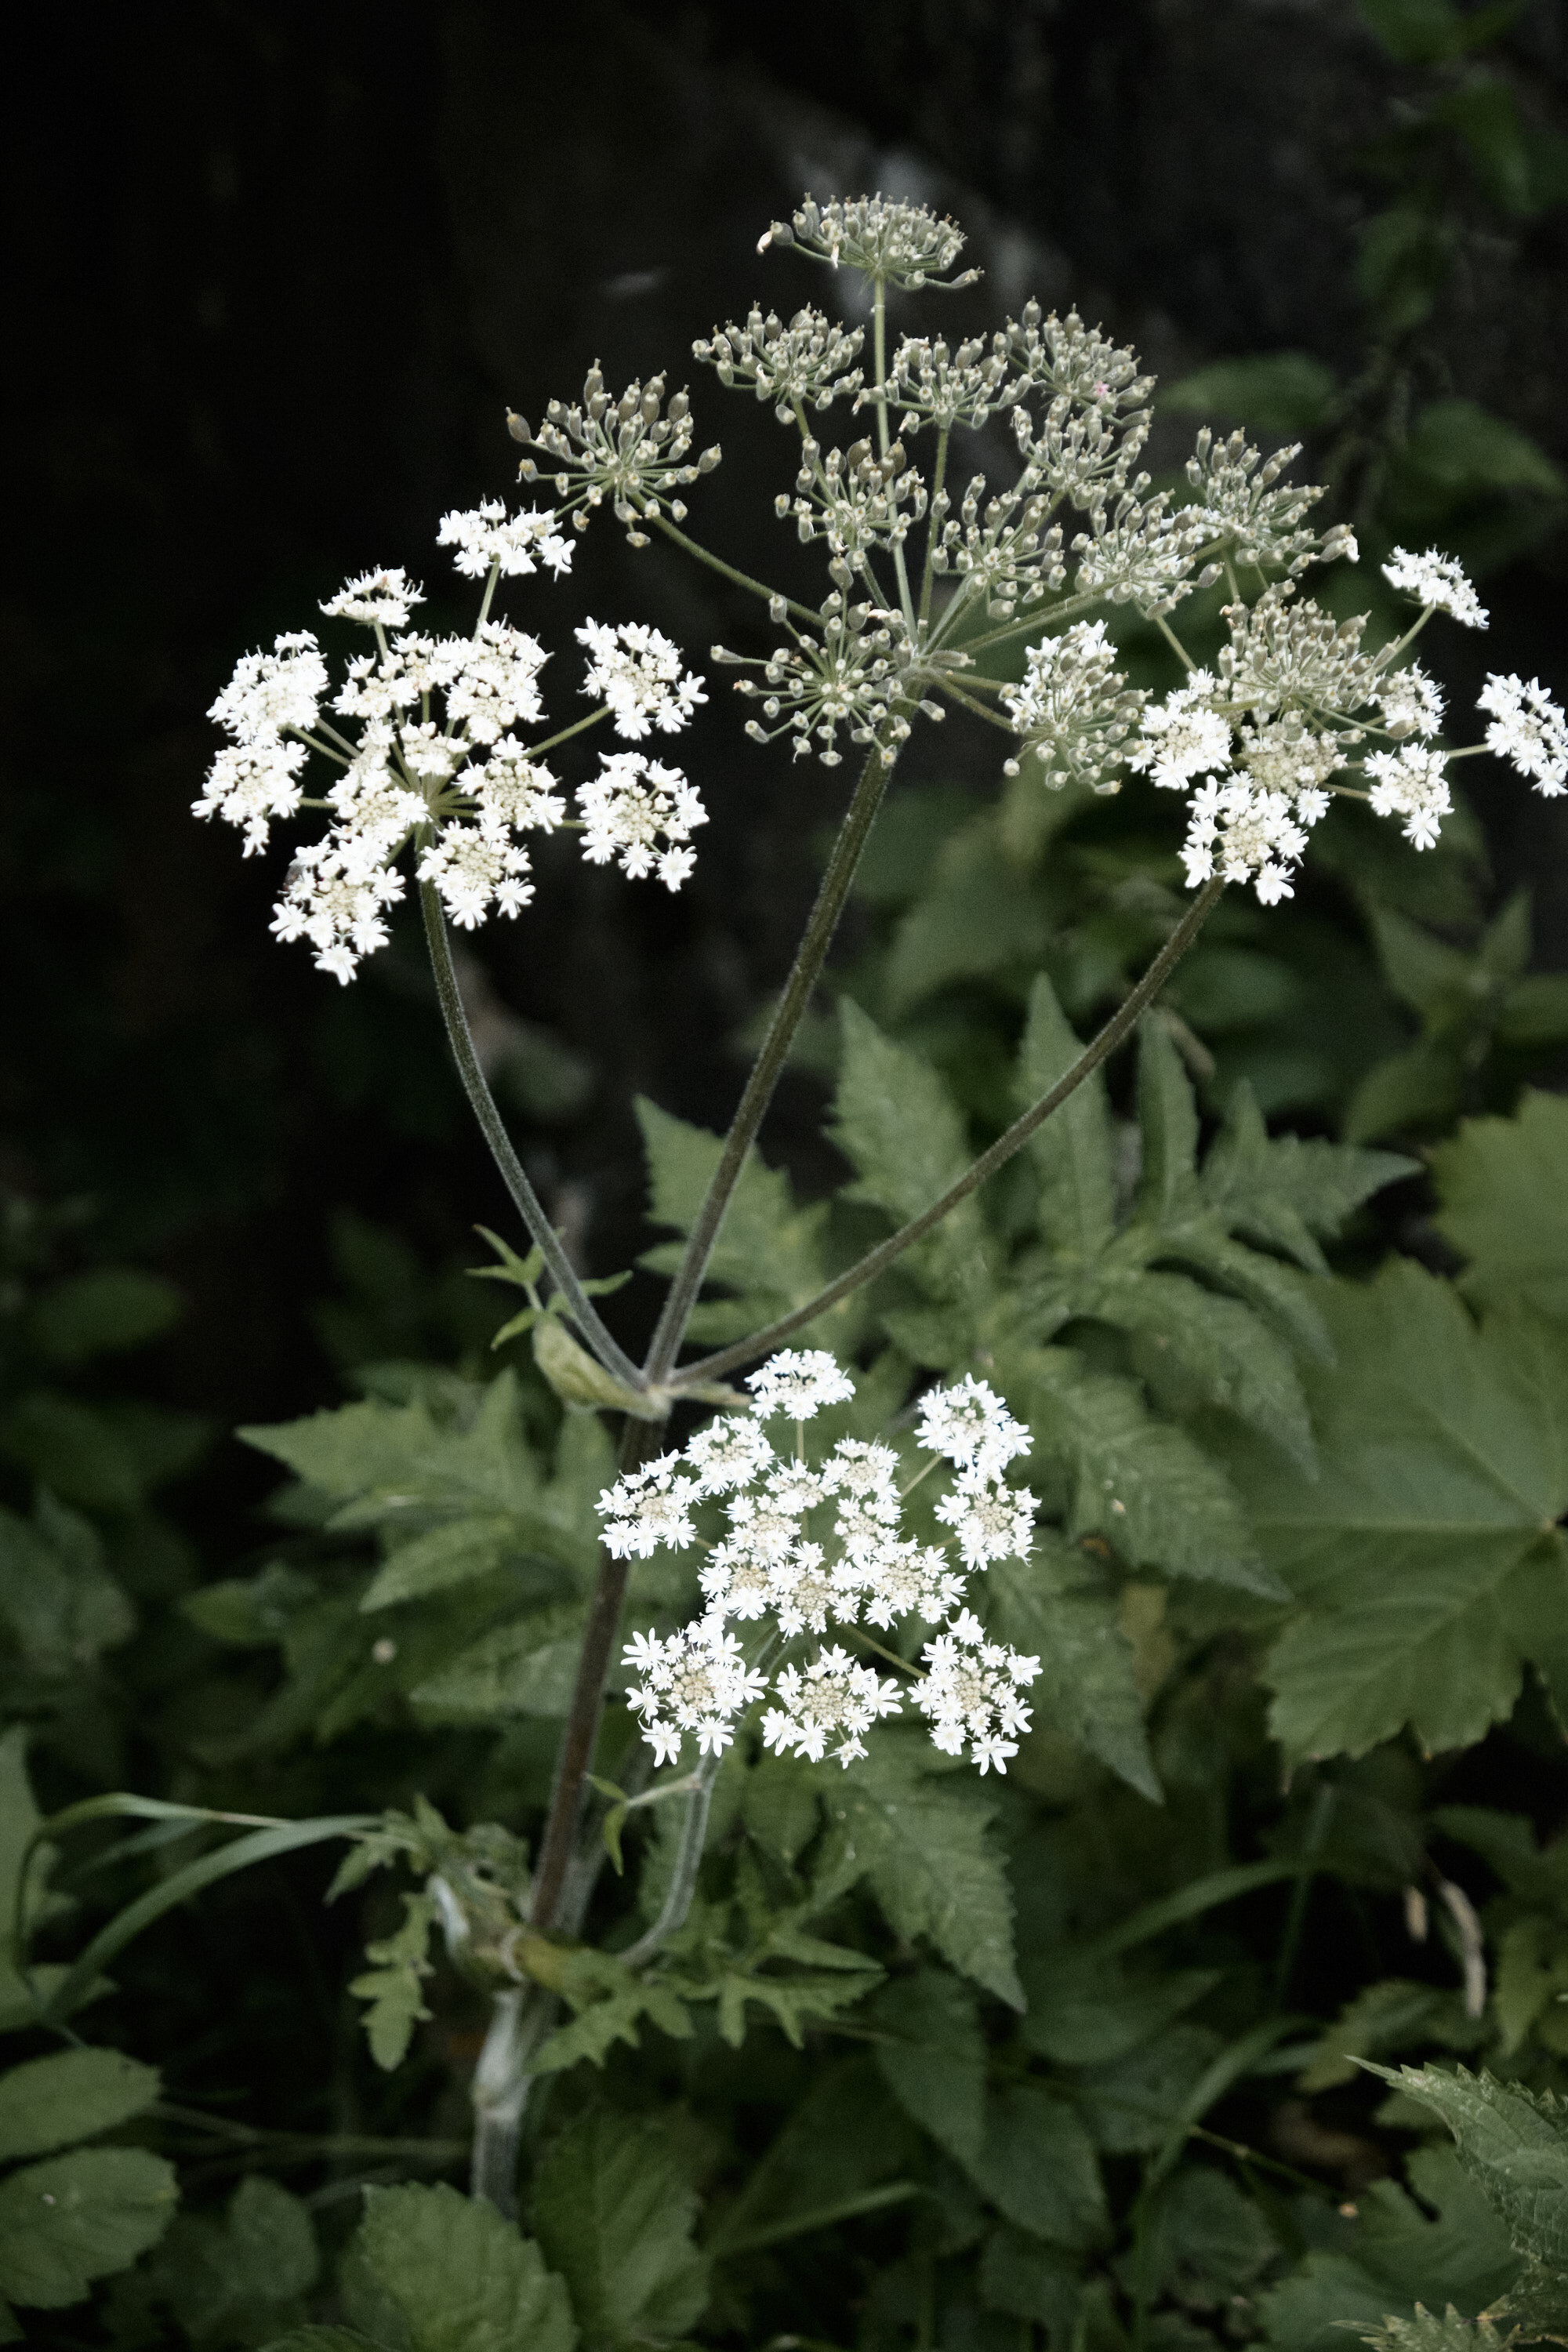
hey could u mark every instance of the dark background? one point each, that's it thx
(283, 267)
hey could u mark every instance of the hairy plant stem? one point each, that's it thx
(874, 1262)
(525, 1199)
(520, 2020)
(804, 972)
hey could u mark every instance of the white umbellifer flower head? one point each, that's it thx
(249, 783)
(333, 897)
(383, 599)
(798, 1381)
(1182, 738)
(1409, 784)
(514, 794)
(628, 807)
(1074, 707)
(493, 681)
(1438, 583)
(269, 692)
(1411, 702)
(486, 535)
(474, 871)
(972, 1427)
(648, 1508)
(906, 245)
(638, 672)
(833, 1696)
(989, 1521)
(1529, 729)
(1255, 837)
(730, 1451)
(970, 1693)
(696, 1680)
(905, 1579)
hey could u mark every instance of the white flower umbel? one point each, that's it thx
(269, 692)
(970, 1694)
(799, 1381)
(832, 1698)
(493, 681)
(383, 599)
(1245, 834)
(1184, 735)
(517, 545)
(1529, 729)
(694, 1680)
(250, 784)
(1438, 584)
(1411, 702)
(333, 897)
(1075, 710)
(514, 793)
(629, 806)
(474, 871)
(807, 1547)
(1409, 784)
(637, 673)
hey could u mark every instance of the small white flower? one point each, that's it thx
(251, 783)
(798, 1381)
(1409, 784)
(1183, 737)
(512, 792)
(971, 1692)
(970, 1425)
(1438, 583)
(474, 871)
(694, 1681)
(648, 1508)
(989, 1521)
(1411, 702)
(636, 671)
(271, 691)
(1529, 729)
(833, 1697)
(383, 597)
(628, 807)
(729, 1452)
(484, 535)
(493, 681)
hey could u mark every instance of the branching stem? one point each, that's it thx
(876, 1261)
(717, 564)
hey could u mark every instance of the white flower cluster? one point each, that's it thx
(906, 245)
(1075, 710)
(1529, 729)
(806, 1545)
(437, 759)
(1438, 584)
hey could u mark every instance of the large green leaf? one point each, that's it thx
(896, 1120)
(1425, 1558)
(921, 1838)
(1512, 2143)
(457, 2277)
(932, 2057)
(614, 2212)
(72, 2095)
(977, 914)
(1038, 2166)
(768, 1249)
(1071, 1151)
(76, 2217)
(1505, 1206)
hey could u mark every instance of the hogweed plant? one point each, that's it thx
(820, 1593)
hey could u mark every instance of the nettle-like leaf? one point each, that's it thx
(438, 2272)
(1505, 1208)
(769, 1253)
(236, 2274)
(613, 2213)
(897, 1123)
(1512, 2143)
(1056, 1605)
(931, 2056)
(1424, 1559)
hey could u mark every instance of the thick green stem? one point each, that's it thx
(876, 1262)
(804, 974)
(639, 1439)
(519, 2023)
(526, 1199)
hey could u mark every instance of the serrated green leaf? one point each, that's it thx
(57, 1598)
(895, 1120)
(1286, 1193)
(614, 2214)
(77, 2218)
(794, 2001)
(1084, 2012)
(932, 2058)
(1168, 1123)
(609, 2004)
(394, 1986)
(1512, 2143)
(1047, 1607)
(453, 1554)
(1388, 2015)
(1505, 1207)
(526, 1667)
(923, 1843)
(1038, 2166)
(1071, 1151)
(1424, 1558)
(767, 1248)
(1426, 2331)
(72, 2095)
(458, 2278)
(1136, 1480)
(1195, 1345)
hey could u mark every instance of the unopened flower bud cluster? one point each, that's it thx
(810, 1545)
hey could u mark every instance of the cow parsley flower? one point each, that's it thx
(970, 1693)
(380, 599)
(904, 245)
(1074, 709)
(1411, 702)
(989, 1521)
(834, 1697)
(512, 793)
(249, 783)
(1184, 735)
(636, 671)
(1529, 729)
(628, 807)
(515, 545)
(696, 1680)
(1438, 584)
(648, 1508)
(493, 681)
(269, 692)
(475, 870)
(1251, 836)
(1409, 784)
(333, 897)
(798, 1381)
(972, 1427)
